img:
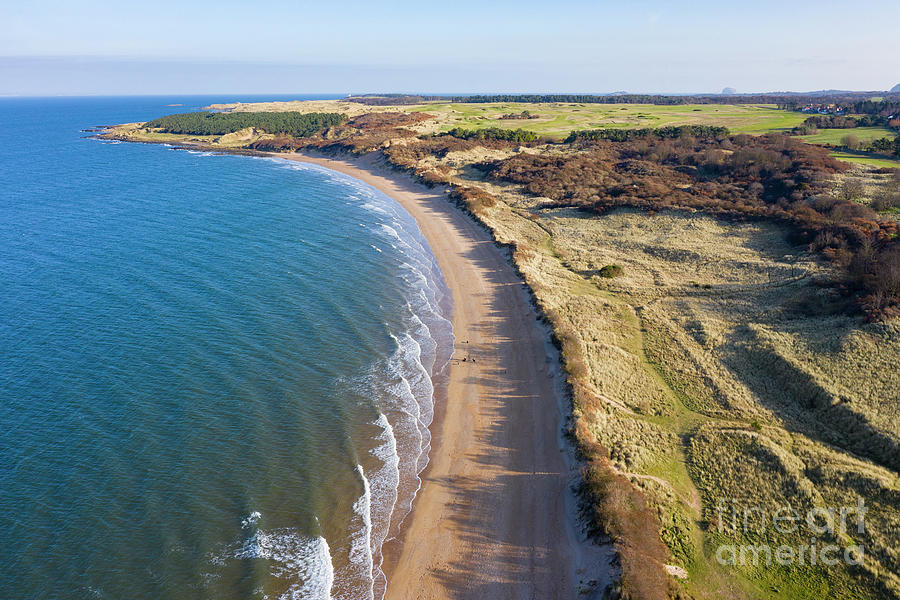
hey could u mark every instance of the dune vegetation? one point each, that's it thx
(728, 311)
(726, 361)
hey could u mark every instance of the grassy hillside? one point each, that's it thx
(864, 158)
(833, 137)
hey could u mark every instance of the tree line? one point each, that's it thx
(885, 145)
(881, 111)
(624, 135)
(215, 123)
(858, 100)
(494, 133)
(843, 122)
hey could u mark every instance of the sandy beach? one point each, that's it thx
(493, 518)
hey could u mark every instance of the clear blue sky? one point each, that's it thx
(94, 47)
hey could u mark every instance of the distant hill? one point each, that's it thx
(845, 94)
(896, 88)
(729, 91)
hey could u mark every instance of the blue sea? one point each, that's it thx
(217, 372)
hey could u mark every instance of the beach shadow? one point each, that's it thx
(512, 522)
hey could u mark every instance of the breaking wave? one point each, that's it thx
(403, 384)
(401, 389)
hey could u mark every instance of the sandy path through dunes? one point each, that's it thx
(491, 519)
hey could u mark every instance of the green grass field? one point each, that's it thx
(556, 120)
(834, 136)
(863, 158)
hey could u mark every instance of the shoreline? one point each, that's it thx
(495, 515)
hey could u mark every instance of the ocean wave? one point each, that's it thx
(361, 562)
(251, 520)
(329, 174)
(386, 482)
(424, 346)
(402, 385)
(402, 400)
(303, 562)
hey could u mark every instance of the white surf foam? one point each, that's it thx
(402, 384)
(423, 347)
(361, 558)
(302, 561)
(384, 489)
(251, 520)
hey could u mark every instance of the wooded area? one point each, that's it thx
(212, 123)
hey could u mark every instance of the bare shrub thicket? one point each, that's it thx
(769, 177)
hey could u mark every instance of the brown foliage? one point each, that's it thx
(876, 267)
(363, 141)
(888, 196)
(408, 156)
(435, 176)
(474, 199)
(726, 175)
(772, 177)
(387, 120)
(851, 189)
(622, 511)
(281, 143)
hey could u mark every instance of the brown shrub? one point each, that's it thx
(876, 267)
(769, 177)
(851, 189)
(622, 512)
(360, 142)
(387, 120)
(435, 176)
(408, 156)
(281, 143)
(475, 200)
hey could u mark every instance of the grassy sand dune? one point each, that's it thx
(710, 349)
(722, 365)
(722, 374)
